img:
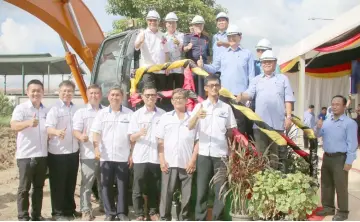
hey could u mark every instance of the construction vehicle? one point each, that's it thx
(110, 60)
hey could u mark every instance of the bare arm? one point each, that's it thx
(288, 107)
(135, 136)
(193, 122)
(96, 141)
(77, 134)
(19, 126)
(161, 149)
(53, 131)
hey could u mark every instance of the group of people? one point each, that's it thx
(163, 148)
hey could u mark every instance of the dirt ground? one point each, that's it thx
(9, 180)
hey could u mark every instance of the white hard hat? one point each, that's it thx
(268, 55)
(153, 15)
(198, 20)
(171, 17)
(233, 30)
(222, 15)
(264, 44)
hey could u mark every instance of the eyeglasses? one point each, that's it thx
(178, 98)
(150, 95)
(217, 85)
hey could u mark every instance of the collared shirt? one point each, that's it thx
(146, 147)
(153, 48)
(31, 141)
(200, 47)
(60, 117)
(322, 116)
(212, 129)
(179, 141)
(82, 122)
(219, 36)
(340, 136)
(175, 50)
(309, 119)
(112, 127)
(270, 95)
(259, 70)
(236, 67)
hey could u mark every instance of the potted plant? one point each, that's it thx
(277, 196)
(241, 166)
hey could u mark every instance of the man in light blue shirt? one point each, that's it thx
(339, 133)
(261, 47)
(274, 98)
(309, 121)
(237, 69)
(220, 41)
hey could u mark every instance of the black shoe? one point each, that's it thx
(340, 217)
(38, 219)
(325, 212)
(110, 218)
(77, 214)
(60, 218)
(24, 219)
(123, 217)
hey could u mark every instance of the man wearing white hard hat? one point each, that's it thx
(153, 46)
(271, 91)
(220, 41)
(236, 66)
(175, 41)
(261, 47)
(196, 47)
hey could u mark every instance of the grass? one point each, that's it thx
(5, 121)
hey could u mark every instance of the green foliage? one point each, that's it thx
(275, 195)
(6, 107)
(184, 9)
(297, 164)
(241, 167)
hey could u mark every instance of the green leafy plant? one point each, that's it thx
(297, 164)
(282, 196)
(6, 107)
(241, 166)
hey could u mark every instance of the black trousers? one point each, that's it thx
(206, 167)
(169, 182)
(146, 176)
(334, 178)
(32, 173)
(114, 171)
(63, 169)
(175, 80)
(306, 141)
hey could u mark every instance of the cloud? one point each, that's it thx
(283, 22)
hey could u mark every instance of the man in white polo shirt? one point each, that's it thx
(154, 50)
(28, 120)
(63, 154)
(216, 121)
(145, 155)
(109, 130)
(177, 155)
(90, 167)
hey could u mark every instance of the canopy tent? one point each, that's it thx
(33, 64)
(327, 53)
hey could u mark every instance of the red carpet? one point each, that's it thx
(313, 216)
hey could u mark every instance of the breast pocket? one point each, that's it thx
(221, 119)
(280, 89)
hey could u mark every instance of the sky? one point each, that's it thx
(283, 22)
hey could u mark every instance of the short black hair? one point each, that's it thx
(311, 107)
(323, 108)
(211, 77)
(341, 97)
(148, 86)
(36, 82)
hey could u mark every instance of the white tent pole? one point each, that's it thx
(301, 96)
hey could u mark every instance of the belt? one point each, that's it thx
(335, 154)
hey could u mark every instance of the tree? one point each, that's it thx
(136, 10)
